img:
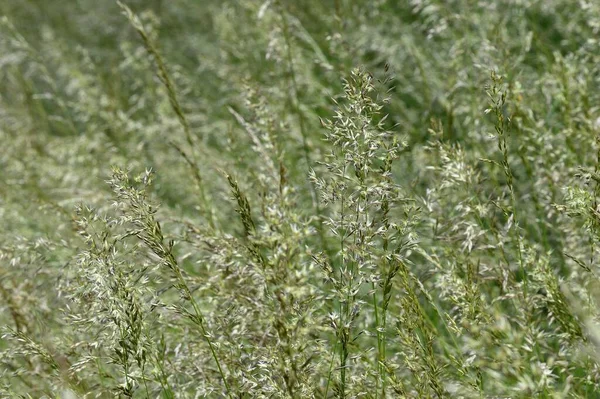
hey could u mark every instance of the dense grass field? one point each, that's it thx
(300, 199)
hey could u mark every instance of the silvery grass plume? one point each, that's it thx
(373, 243)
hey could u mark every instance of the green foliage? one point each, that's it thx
(300, 199)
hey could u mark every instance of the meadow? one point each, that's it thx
(299, 199)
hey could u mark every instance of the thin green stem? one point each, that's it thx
(199, 318)
(295, 102)
(379, 357)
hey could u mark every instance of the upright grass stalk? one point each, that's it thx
(502, 126)
(163, 74)
(294, 100)
(150, 233)
(362, 190)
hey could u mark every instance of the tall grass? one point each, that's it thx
(316, 199)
